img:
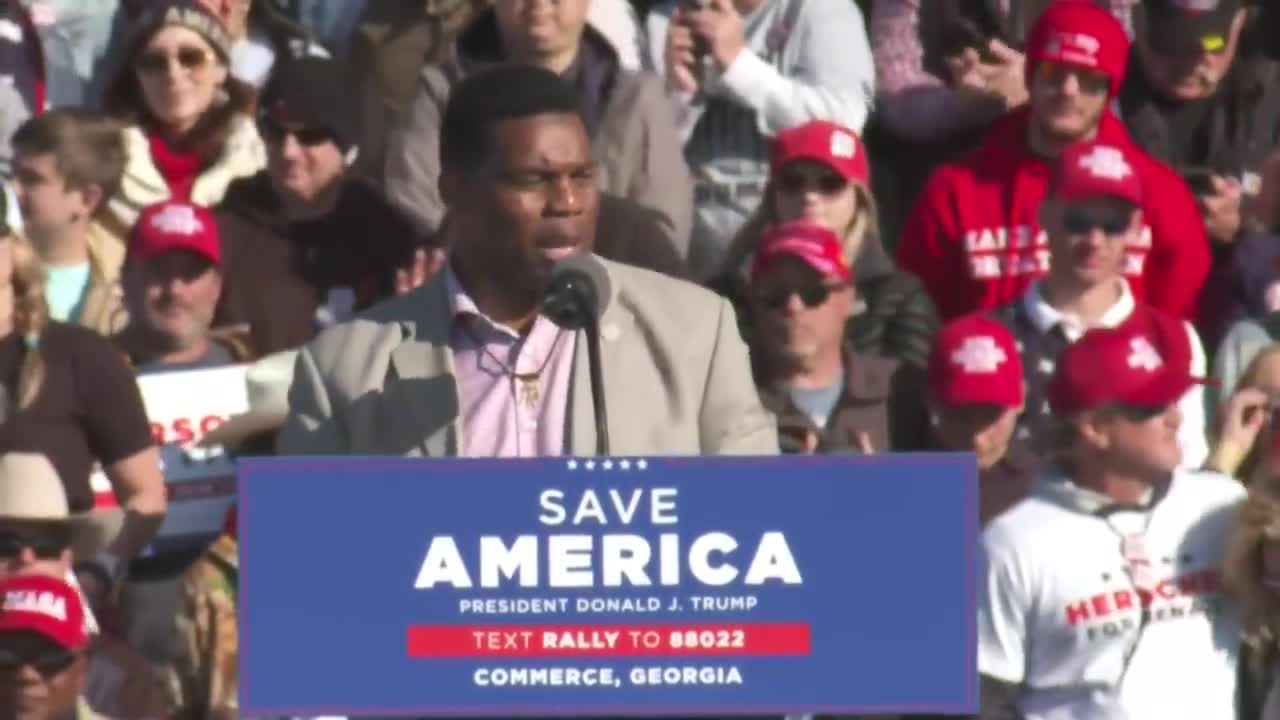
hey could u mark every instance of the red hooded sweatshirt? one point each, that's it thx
(974, 235)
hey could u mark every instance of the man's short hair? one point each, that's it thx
(490, 96)
(87, 147)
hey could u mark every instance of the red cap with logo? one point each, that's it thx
(818, 246)
(45, 605)
(820, 141)
(174, 225)
(1080, 34)
(1091, 169)
(975, 361)
(1144, 362)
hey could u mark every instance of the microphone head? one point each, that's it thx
(575, 291)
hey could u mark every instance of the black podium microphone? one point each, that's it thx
(572, 300)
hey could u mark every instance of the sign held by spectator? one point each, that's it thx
(183, 405)
(608, 586)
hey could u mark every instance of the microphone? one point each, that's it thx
(572, 300)
(572, 296)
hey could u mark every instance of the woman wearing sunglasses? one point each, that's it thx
(819, 174)
(190, 130)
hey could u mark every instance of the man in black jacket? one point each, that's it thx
(1195, 100)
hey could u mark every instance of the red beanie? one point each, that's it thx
(1080, 34)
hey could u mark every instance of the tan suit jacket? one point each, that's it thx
(676, 374)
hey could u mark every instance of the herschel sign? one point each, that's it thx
(610, 587)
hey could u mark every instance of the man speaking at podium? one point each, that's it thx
(471, 364)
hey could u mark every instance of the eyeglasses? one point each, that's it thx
(157, 61)
(48, 660)
(1090, 82)
(1082, 221)
(46, 545)
(274, 133)
(811, 295)
(794, 183)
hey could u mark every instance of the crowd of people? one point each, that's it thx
(1046, 232)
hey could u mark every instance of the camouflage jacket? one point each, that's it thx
(202, 680)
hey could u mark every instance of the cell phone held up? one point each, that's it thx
(703, 66)
(1199, 179)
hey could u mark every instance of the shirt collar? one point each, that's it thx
(1045, 316)
(462, 308)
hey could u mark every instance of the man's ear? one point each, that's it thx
(92, 197)
(1092, 429)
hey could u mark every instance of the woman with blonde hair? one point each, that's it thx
(1251, 579)
(819, 173)
(190, 129)
(66, 393)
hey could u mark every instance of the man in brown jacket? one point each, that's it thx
(628, 115)
(305, 244)
(828, 397)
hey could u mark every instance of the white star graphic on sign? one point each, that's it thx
(591, 464)
(624, 464)
(641, 464)
(608, 464)
(573, 464)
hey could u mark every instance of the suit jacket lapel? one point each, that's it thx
(615, 328)
(424, 368)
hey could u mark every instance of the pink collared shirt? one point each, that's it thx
(499, 418)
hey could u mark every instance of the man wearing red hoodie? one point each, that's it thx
(974, 237)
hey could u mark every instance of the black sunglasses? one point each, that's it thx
(1082, 221)
(274, 133)
(45, 545)
(157, 61)
(811, 295)
(48, 660)
(794, 183)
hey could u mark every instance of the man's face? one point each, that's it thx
(39, 679)
(34, 548)
(534, 204)
(540, 28)
(983, 429)
(1067, 102)
(1139, 441)
(1088, 238)
(799, 312)
(48, 206)
(303, 163)
(1192, 73)
(173, 295)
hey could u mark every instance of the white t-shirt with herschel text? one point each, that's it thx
(1058, 609)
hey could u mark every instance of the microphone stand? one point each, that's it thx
(592, 330)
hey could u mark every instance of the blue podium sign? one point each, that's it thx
(620, 586)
